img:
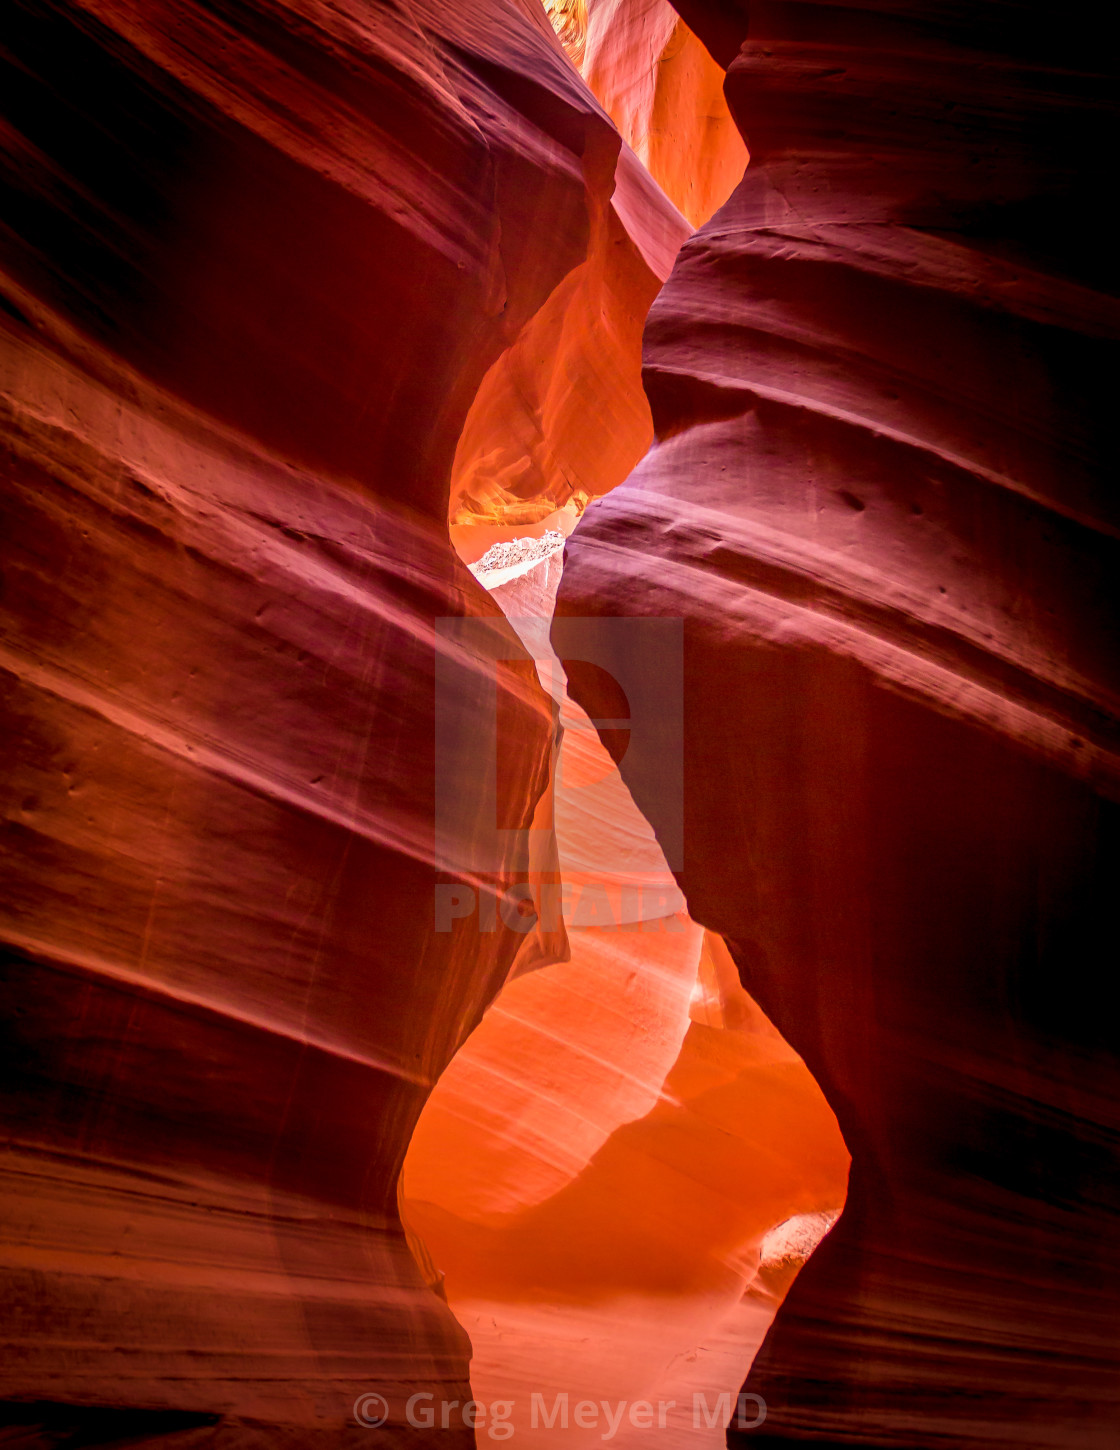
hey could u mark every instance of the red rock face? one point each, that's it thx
(664, 92)
(257, 262)
(879, 499)
(599, 1174)
(286, 285)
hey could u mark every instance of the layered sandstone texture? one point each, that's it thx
(259, 263)
(881, 500)
(561, 416)
(616, 1178)
(663, 90)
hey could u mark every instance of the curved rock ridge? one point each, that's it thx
(561, 416)
(664, 92)
(880, 503)
(222, 1020)
(190, 142)
(256, 263)
(601, 1182)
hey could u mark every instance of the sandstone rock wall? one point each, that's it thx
(881, 500)
(257, 260)
(596, 1177)
(664, 91)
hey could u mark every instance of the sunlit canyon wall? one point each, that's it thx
(882, 499)
(259, 262)
(287, 291)
(618, 1176)
(296, 296)
(620, 1172)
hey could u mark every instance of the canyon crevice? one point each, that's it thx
(258, 262)
(408, 999)
(878, 501)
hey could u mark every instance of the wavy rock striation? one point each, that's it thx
(665, 94)
(879, 500)
(561, 416)
(257, 263)
(598, 1179)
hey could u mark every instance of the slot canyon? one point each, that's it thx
(561, 725)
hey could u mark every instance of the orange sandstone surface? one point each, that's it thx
(390, 1017)
(881, 503)
(256, 265)
(285, 288)
(663, 91)
(594, 1177)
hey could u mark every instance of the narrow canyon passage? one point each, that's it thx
(622, 1169)
(554, 685)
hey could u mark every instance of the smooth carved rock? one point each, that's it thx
(561, 416)
(224, 995)
(257, 262)
(880, 501)
(603, 1180)
(665, 93)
